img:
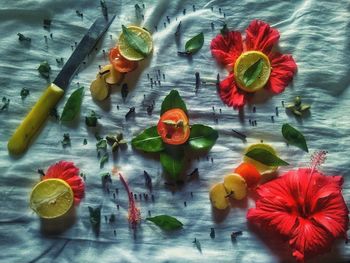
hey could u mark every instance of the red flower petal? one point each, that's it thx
(226, 48)
(230, 94)
(260, 36)
(283, 70)
(309, 211)
(68, 172)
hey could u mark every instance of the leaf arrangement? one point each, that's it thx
(172, 157)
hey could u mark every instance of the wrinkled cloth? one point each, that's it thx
(315, 32)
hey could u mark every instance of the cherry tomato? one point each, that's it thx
(173, 127)
(250, 174)
(120, 63)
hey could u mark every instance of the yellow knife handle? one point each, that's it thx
(31, 124)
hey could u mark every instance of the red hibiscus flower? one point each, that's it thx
(68, 172)
(238, 55)
(304, 206)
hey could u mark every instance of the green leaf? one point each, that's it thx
(202, 137)
(104, 159)
(294, 137)
(253, 72)
(73, 104)
(173, 161)
(24, 93)
(91, 120)
(148, 141)
(265, 157)
(6, 104)
(44, 69)
(195, 43)
(66, 140)
(171, 101)
(136, 42)
(101, 145)
(166, 222)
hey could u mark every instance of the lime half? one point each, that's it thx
(127, 51)
(262, 168)
(247, 60)
(51, 198)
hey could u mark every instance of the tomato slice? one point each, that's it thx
(120, 63)
(173, 127)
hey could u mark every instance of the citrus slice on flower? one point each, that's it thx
(262, 168)
(173, 127)
(51, 198)
(127, 51)
(119, 63)
(252, 70)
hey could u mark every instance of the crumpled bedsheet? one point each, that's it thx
(315, 32)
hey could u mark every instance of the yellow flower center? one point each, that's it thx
(249, 75)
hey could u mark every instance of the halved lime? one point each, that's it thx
(51, 198)
(247, 60)
(127, 51)
(262, 168)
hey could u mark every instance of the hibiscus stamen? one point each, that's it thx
(317, 159)
(133, 211)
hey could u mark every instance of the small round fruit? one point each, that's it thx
(127, 51)
(249, 173)
(120, 63)
(217, 195)
(173, 127)
(262, 168)
(99, 89)
(110, 75)
(51, 198)
(235, 184)
(244, 62)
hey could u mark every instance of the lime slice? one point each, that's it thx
(262, 168)
(51, 198)
(244, 62)
(127, 51)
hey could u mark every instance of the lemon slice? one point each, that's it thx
(51, 198)
(127, 51)
(244, 62)
(262, 168)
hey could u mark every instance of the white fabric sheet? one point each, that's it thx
(315, 32)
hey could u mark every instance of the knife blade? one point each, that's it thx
(29, 127)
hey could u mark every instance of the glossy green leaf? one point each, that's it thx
(173, 162)
(165, 222)
(171, 101)
(73, 104)
(195, 43)
(265, 157)
(148, 141)
(294, 137)
(202, 137)
(253, 72)
(136, 42)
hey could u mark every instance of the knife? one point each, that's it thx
(31, 124)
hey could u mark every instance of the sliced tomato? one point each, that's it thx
(120, 63)
(173, 127)
(250, 174)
